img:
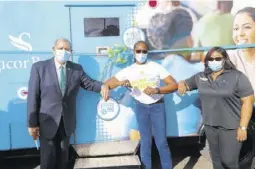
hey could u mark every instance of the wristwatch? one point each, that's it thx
(243, 128)
(158, 91)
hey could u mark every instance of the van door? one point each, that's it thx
(95, 28)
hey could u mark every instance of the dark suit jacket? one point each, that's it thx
(46, 104)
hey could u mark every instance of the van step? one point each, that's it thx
(126, 147)
(118, 162)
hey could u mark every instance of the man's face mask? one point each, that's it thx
(141, 58)
(62, 55)
(141, 55)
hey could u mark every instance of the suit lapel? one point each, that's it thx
(68, 75)
(55, 76)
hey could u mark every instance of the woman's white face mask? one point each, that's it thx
(215, 66)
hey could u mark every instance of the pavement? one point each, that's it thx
(184, 157)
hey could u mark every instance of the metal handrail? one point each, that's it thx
(230, 47)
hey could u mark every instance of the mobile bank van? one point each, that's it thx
(102, 34)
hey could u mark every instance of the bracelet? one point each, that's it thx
(243, 128)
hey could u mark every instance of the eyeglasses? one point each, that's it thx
(141, 51)
(217, 59)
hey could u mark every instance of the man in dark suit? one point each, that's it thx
(52, 91)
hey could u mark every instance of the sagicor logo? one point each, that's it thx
(19, 43)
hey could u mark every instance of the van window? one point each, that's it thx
(97, 27)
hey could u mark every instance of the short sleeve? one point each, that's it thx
(163, 73)
(196, 33)
(232, 56)
(244, 87)
(191, 82)
(122, 74)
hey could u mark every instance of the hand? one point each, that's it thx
(125, 83)
(241, 135)
(150, 91)
(182, 88)
(34, 132)
(105, 92)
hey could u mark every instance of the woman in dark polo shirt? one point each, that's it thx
(227, 102)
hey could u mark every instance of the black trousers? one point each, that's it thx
(224, 147)
(54, 153)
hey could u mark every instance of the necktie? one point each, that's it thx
(62, 80)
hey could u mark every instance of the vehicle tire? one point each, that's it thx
(247, 154)
(1, 157)
(253, 163)
(247, 157)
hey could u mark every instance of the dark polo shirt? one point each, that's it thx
(221, 99)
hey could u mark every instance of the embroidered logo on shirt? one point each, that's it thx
(223, 82)
(203, 79)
